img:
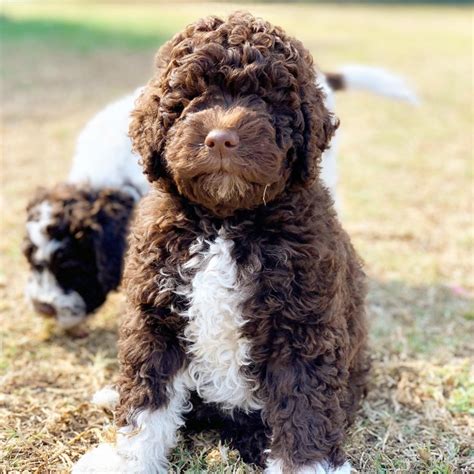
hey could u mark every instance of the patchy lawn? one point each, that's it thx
(406, 181)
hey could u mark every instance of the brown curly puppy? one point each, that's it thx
(246, 297)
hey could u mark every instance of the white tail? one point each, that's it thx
(106, 397)
(379, 81)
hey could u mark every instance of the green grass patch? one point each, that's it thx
(81, 36)
(469, 315)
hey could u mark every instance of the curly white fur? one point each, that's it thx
(104, 156)
(218, 350)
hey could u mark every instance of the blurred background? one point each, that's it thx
(407, 193)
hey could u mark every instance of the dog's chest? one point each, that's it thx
(216, 347)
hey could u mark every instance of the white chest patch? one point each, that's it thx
(217, 349)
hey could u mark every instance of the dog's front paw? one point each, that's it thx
(275, 466)
(103, 459)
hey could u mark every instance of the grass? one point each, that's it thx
(406, 181)
(74, 35)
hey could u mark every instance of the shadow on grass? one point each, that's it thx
(76, 35)
(98, 340)
(419, 321)
(407, 320)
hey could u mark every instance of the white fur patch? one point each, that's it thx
(217, 349)
(70, 307)
(102, 459)
(142, 449)
(42, 285)
(329, 173)
(104, 156)
(106, 397)
(36, 229)
(275, 466)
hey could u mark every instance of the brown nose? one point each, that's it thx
(44, 308)
(221, 140)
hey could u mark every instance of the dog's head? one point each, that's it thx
(75, 243)
(233, 117)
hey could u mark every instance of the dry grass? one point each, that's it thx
(406, 181)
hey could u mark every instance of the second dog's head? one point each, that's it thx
(75, 243)
(233, 117)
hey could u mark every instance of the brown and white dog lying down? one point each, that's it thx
(76, 231)
(245, 295)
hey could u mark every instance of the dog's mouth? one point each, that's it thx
(224, 187)
(225, 193)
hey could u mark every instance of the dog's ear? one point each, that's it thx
(149, 122)
(316, 125)
(109, 237)
(39, 195)
(147, 133)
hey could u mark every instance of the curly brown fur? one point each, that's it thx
(301, 282)
(263, 85)
(87, 229)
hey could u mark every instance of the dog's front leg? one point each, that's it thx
(304, 413)
(142, 446)
(147, 440)
(153, 398)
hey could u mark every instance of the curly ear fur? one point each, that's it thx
(110, 236)
(147, 127)
(318, 124)
(147, 134)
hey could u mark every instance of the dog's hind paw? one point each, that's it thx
(107, 397)
(103, 459)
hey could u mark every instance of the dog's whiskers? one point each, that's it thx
(264, 191)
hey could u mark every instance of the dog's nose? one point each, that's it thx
(44, 308)
(221, 140)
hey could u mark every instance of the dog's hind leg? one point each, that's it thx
(246, 433)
